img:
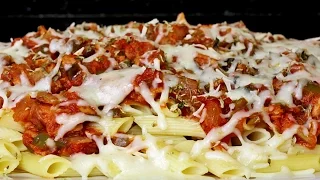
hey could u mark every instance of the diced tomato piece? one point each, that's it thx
(213, 114)
(98, 66)
(147, 76)
(135, 49)
(309, 140)
(176, 34)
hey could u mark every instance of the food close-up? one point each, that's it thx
(166, 99)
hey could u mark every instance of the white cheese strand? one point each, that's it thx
(68, 122)
(218, 133)
(19, 91)
(18, 52)
(285, 93)
(108, 89)
(168, 82)
(146, 94)
(87, 34)
(100, 52)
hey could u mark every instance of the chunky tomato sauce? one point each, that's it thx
(37, 113)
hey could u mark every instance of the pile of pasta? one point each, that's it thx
(168, 100)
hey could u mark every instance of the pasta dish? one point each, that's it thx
(159, 99)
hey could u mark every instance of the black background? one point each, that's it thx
(294, 19)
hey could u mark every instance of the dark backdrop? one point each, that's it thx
(294, 19)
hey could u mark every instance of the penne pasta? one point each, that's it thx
(177, 161)
(9, 157)
(219, 163)
(45, 166)
(168, 113)
(72, 173)
(294, 163)
(113, 126)
(7, 121)
(95, 165)
(135, 130)
(9, 149)
(298, 149)
(171, 140)
(185, 146)
(7, 165)
(159, 100)
(136, 110)
(256, 136)
(222, 164)
(12, 136)
(182, 163)
(176, 126)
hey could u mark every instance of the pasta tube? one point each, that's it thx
(171, 140)
(9, 157)
(113, 126)
(45, 166)
(135, 130)
(294, 163)
(136, 110)
(181, 162)
(222, 164)
(256, 136)
(72, 173)
(12, 136)
(176, 126)
(7, 121)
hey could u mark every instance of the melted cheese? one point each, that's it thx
(208, 76)
(153, 21)
(39, 41)
(19, 91)
(146, 94)
(256, 156)
(68, 122)
(108, 89)
(145, 60)
(18, 52)
(299, 89)
(87, 34)
(119, 31)
(245, 79)
(144, 31)
(268, 58)
(216, 134)
(51, 144)
(160, 34)
(59, 45)
(3, 94)
(169, 81)
(185, 56)
(123, 158)
(197, 112)
(128, 161)
(203, 115)
(236, 94)
(78, 102)
(285, 93)
(213, 32)
(57, 34)
(213, 92)
(156, 81)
